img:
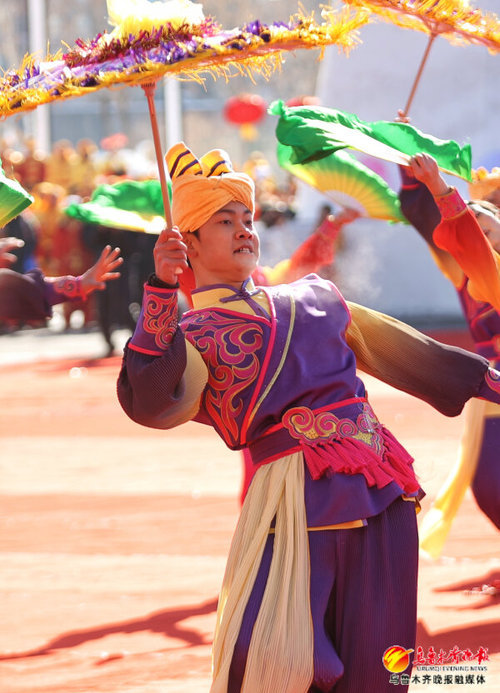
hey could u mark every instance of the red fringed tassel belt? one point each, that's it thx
(349, 441)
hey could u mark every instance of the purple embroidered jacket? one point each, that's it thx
(282, 377)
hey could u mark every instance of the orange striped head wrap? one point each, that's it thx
(200, 187)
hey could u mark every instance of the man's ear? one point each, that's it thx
(189, 239)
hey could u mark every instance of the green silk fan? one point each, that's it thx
(13, 198)
(130, 205)
(346, 182)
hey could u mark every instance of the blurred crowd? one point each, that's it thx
(60, 245)
(275, 200)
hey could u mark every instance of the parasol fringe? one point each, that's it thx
(32, 97)
(190, 53)
(454, 19)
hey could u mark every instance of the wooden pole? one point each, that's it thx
(149, 89)
(432, 36)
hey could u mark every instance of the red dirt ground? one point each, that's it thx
(113, 539)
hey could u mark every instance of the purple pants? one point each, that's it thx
(486, 482)
(363, 601)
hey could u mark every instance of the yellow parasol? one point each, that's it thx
(173, 38)
(455, 20)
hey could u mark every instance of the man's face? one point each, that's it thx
(226, 248)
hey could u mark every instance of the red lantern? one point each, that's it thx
(245, 110)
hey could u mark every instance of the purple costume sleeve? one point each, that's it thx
(23, 297)
(29, 297)
(149, 385)
(62, 289)
(151, 377)
(418, 205)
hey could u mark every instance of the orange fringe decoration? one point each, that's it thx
(190, 53)
(455, 19)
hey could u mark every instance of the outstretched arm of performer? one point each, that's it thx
(162, 376)
(103, 271)
(419, 207)
(315, 252)
(444, 376)
(60, 289)
(29, 297)
(460, 234)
